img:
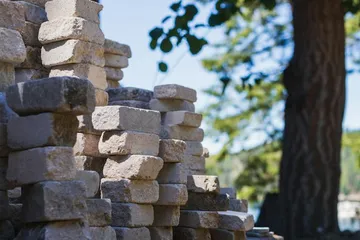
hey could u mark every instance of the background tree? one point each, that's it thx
(311, 51)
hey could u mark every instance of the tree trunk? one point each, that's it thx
(315, 84)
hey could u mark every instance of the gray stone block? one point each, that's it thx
(184, 233)
(194, 163)
(90, 163)
(221, 234)
(182, 118)
(161, 233)
(32, 60)
(172, 150)
(12, 48)
(203, 184)
(236, 221)
(174, 91)
(130, 93)
(7, 75)
(12, 16)
(207, 202)
(117, 48)
(6, 113)
(238, 205)
(181, 133)
(86, 126)
(166, 216)
(4, 149)
(130, 103)
(7, 231)
(115, 74)
(87, 144)
(33, 13)
(172, 173)
(132, 215)
(91, 180)
(199, 219)
(4, 206)
(229, 191)
(168, 105)
(25, 74)
(99, 212)
(116, 61)
(30, 33)
(172, 195)
(123, 233)
(102, 233)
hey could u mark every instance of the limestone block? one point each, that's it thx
(96, 75)
(102, 98)
(221, 234)
(12, 16)
(32, 60)
(46, 129)
(134, 167)
(166, 216)
(87, 144)
(123, 233)
(114, 73)
(174, 91)
(182, 233)
(25, 74)
(207, 202)
(4, 149)
(99, 212)
(116, 61)
(130, 93)
(194, 148)
(161, 233)
(113, 118)
(7, 75)
(130, 191)
(235, 221)
(130, 103)
(12, 48)
(113, 83)
(86, 9)
(172, 173)
(199, 219)
(33, 13)
(6, 230)
(63, 95)
(194, 163)
(132, 215)
(69, 230)
(238, 205)
(181, 133)
(117, 48)
(172, 195)
(70, 28)
(203, 184)
(90, 163)
(72, 51)
(91, 180)
(168, 105)
(128, 142)
(86, 125)
(229, 191)
(106, 233)
(41, 164)
(30, 34)
(4, 206)
(39, 199)
(172, 150)
(183, 118)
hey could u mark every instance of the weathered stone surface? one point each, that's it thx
(172, 173)
(91, 180)
(130, 191)
(86, 125)
(203, 184)
(115, 74)
(229, 191)
(113, 84)
(235, 221)
(4, 149)
(90, 163)
(189, 172)
(16, 217)
(182, 118)
(194, 148)
(123, 233)
(41, 164)
(102, 98)
(4, 206)
(33, 13)
(30, 34)
(4, 184)
(117, 48)
(172, 150)
(172, 195)
(174, 91)
(6, 230)
(161, 233)
(46, 129)
(69, 230)
(238, 205)
(54, 201)
(12, 16)
(194, 163)
(12, 48)
(99, 212)
(14, 194)
(73, 8)
(106, 233)
(32, 60)
(130, 103)
(132, 215)
(112, 118)
(199, 219)
(96, 75)
(40, 3)
(72, 51)
(63, 95)
(70, 28)
(167, 105)
(207, 202)
(7, 75)
(87, 144)
(130, 93)
(221, 234)
(181, 133)
(116, 61)
(182, 233)
(134, 167)
(128, 142)
(25, 74)
(166, 216)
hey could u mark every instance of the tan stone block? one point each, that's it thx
(102, 97)
(114, 74)
(33, 13)
(182, 233)
(166, 216)
(86, 126)
(70, 28)
(41, 164)
(235, 221)
(199, 219)
(106, 233)
(182, 118)
(172, 195)
(132, 215)
(116, 61)
(172, 173)
(181, 133)
(32, 60)
(87, 144)
(86, 9)
(12, 16)
(172, 150)
(194, 163)
(30, 34)
(203, 184)
(113, 118)
(130, 191)
(168, 105)
(130, 93)
(161, 233)
(99, 212)
(113, 83)
(117, 48)
(12, 48)
(207, 202)
(72, 51)
(96, 75)
(174, 91)
(123, 233)
(91, 180)
(134, 167)
(7, 75)
(24, 75)
(194, 148)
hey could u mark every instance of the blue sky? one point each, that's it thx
(130, 21)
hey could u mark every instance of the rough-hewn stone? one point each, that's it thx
(4, 206)
(182, 118)
(161, 233)
(172, 173)
(183, 233)
(229, 191)
(199, 219)
(32, 60)
(117, 48)
(181, 133)
(25, 74)
(7, 75)
(221, 234)
(102, 233)
(99, 212)
(102, 97)
(30, 34)
(86, 126)
(130, 103)
(123, 233)
(132, 215)
(116, 61)
(12, 16)
(87, 144)
(6, 230)
(130, 93)
(172, 150)
(207, 202)
(172, 195)
(4, 183)
(40, 3)
(33, 13)
(167, 105)
(174, 91)
(235, 221)
(166, 216)
(203, 184)
(194, 163)
(194, 148)
(12, 48)
(16, 217)
(238, 205)
(90, 163)
(115, 74)
(91, 180)
(4, 149)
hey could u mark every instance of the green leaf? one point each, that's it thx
(163, 67)
(153, 44)
(165, 19)
(269, 4)
(190, 12)
(175, 6)
(215, 20)
(156, 33)
(166, 45)
(195, 44)
(199, 25)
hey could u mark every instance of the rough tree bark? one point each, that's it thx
(315, 84)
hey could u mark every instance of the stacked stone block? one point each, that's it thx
(130, 97)
(116, 58)
(130, 140)
(42, 160)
